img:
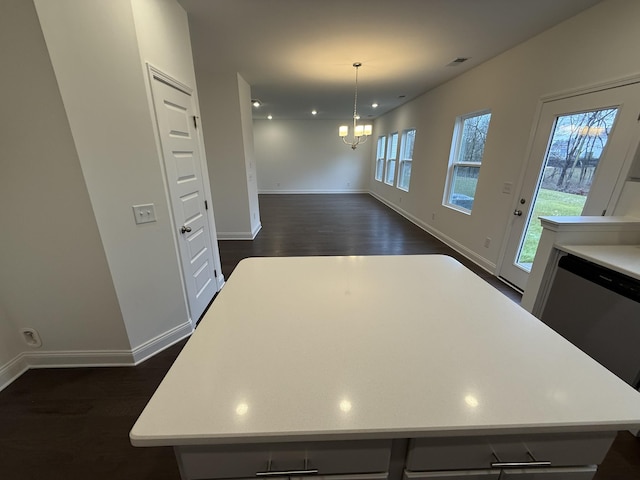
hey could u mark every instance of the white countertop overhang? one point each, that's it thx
(322, 348)
(624, 259)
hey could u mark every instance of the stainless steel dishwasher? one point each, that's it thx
(598, 310)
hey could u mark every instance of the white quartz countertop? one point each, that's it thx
(621, 258)
(319, 348)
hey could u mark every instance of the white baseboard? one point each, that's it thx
(12, 370)
(91, 358)
(235, 235)
(458, 247)
(255, 231)
(161, 342)
(239, 235)
(78, 358)
(308, 192)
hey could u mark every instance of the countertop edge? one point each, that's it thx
(252, 438)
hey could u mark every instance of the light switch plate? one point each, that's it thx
(144, 213)
(506, 187)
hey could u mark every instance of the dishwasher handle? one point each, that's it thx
(615, 281)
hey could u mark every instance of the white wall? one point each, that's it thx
(11, 364)
(162, 30)
(94, 52)
(595, 46)
(246, 120)
(222, 117)
(10, 345)
(629, 203)
(54, 274)
(307, 156)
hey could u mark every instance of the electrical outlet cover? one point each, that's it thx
(31, 337)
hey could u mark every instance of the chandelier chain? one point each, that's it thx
(360, 133)
(355, 101)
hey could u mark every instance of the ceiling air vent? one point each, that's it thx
(457, 62)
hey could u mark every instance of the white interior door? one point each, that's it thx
(175, 115)
(579, 154)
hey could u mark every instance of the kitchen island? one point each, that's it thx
(381, 367)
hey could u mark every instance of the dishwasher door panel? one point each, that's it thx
(602, 323)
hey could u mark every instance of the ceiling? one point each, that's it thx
(297, 55)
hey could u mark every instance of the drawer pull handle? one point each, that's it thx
(285, 473)
(533, 463)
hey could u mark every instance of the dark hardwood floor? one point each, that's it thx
(301, 225)
(72, 424)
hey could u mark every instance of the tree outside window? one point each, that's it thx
(467, 150)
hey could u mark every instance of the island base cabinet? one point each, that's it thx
(341, 460)
(454, 475)
(564, 473)
(479, 453)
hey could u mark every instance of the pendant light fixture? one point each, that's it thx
(360, 132)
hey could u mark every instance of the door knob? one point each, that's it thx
(184, 229)
(517, 213)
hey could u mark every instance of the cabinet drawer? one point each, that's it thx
(454, 475)
(245, 461)
(453, 453)
(565, 473)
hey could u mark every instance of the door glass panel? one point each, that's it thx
(575, 146)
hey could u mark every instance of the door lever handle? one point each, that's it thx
(185, 229)
(517, 213)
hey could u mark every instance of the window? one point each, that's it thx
(392, 153)
(382, 143)
(406, 158)
(467, 148)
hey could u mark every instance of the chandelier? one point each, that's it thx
(360, 132)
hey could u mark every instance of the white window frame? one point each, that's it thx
(391, 160)
(405, 158)
(454, 161)
(380, 155)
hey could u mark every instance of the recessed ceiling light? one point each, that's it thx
(269, 117)
(314, 112)
(374, 105)
(256, 103)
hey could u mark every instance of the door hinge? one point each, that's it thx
(215, 273)
(195, 121)
(206, 205)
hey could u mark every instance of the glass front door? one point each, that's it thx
(575, 147)
(578, 157)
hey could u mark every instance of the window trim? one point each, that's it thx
(456, 143)
(402, 160)
(394, 159)
(380, 159)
